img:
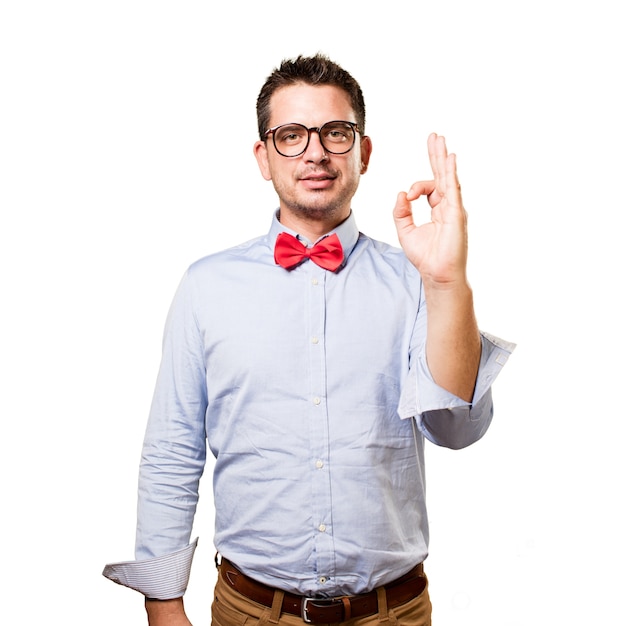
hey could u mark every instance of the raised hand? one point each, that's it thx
(437, 248)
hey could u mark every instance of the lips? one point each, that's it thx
(317, 176)
(317, 180)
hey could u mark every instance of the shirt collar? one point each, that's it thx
(347, 232)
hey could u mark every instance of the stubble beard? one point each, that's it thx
(316, 210)
(316, 207)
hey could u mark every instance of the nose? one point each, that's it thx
(315, 150)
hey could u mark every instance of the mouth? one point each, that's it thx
(317, 180)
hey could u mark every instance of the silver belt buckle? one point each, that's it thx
(305, 616)
(320, 601)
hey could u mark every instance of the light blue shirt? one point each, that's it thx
(312, 391)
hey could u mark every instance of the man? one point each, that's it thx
(307, 361)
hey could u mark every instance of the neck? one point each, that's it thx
(310, 227)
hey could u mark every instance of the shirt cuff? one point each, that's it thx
(421, 394)
(161, 578)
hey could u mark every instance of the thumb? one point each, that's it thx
(403, 211)
(403, 216)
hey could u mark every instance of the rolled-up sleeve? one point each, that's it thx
(442, 417)
(161, 578)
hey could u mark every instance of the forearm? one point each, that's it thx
(166, 612)
(453, 342)
(167, 500)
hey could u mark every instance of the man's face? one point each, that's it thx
(316, 185)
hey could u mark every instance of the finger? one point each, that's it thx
(442, 164)
(420, 188)
(432, 152)
(403, 216)
(403, 209)
(453, 187)
(438, 153)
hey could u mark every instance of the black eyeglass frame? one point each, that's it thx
(318, 130)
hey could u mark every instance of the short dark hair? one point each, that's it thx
(313, 70)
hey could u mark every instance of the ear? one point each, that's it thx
(366, 153)
(260, 152)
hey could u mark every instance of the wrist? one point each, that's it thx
(450, 296)
(163, 611)
(458, 283)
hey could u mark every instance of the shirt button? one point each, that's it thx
(322, 528)
(323, 579)
(316, 400)
(314, 281)
(315, 340)
(319, 464)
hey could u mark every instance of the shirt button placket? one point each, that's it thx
(321, 501)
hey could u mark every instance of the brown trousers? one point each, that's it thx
(230, 608)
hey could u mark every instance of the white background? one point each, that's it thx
(126, 130)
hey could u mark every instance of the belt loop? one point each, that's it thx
(383, 614)
(347, 608)
(277, 606)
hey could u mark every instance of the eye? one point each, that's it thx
(290, 134)
(338, 132)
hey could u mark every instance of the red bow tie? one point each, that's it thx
(289, 252)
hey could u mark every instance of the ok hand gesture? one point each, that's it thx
(438, 248)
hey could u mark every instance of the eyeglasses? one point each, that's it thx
(292, 140)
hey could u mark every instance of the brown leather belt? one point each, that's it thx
(327, 610)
